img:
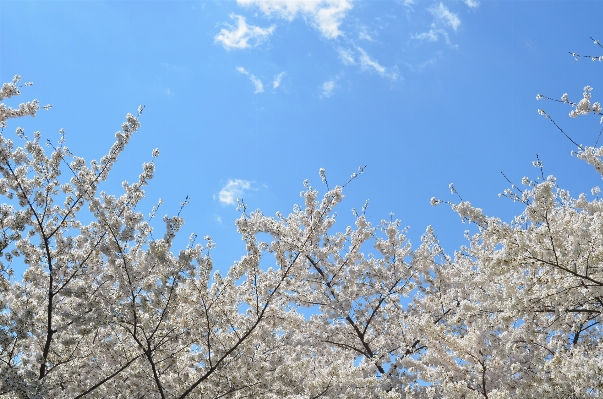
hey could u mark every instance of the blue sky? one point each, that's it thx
(248, 98)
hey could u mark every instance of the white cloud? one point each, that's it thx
(325, 15)
(367, 63)
(232, 191)
(363, 34)
(259, 87)
(472, 3)
(240, 37)
(408, 2)
(443, 14)
(349, 57)
(328, 87)
(433, 35)
(218, 219)
(277, 80)
(346, 56)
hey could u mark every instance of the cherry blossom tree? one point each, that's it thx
(105, 309)
(519, 309)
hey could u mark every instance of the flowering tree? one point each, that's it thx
(109, 308)
(520, 307)
(106, 310)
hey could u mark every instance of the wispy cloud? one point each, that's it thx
(325, 15)
(363, 34)
(433, 35)
(421, 66)
(277, 80)
(259, 87)
(243, 35)
(443, 14)
(358, 55)
(367, 62)
(443, 18)
(408, 4)
(472, 3)
(232, 191)
(328, 87)
(346, 56)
